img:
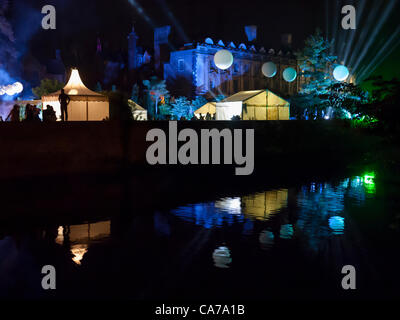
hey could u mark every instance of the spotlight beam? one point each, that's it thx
(377, 28)
(382, 54)
(349, 43)
(141, 11)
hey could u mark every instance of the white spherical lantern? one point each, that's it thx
(340, 73)
(269, 69)
(18, 87)
(223, 59)
(289, 74)
(10, 90)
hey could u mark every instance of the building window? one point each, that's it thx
(181, 65)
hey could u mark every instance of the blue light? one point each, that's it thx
(289, 74)
(336, 223)
(340, 73)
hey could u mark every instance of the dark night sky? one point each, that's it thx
(79, 22)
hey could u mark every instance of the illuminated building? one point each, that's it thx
(191, 70)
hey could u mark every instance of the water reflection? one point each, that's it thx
(80, 236)
(314, 211)
(222, 257)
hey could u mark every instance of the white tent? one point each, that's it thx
(253, 105)
(139, 113)
(209, 107)
(85, 105)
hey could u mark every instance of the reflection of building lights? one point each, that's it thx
(222, 257)
(286, 231)
(336, 223)
(266, 238)
(232, 205)
(78, 251)
(60, 235)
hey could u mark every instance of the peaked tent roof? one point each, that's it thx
(208, 107)
(243, 95)
(76, 90)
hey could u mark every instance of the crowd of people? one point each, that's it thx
(31, 114)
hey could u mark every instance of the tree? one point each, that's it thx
(198, 102)
(182, 108)
(315, 62)
(47, 86)
(344, 100)
(157, 91)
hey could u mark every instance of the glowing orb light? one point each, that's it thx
(10, 90)
(336, 223)
(340, 73)
(2, 91)
(223, 59)
(289, 74)
(18, 87)
(269, 69)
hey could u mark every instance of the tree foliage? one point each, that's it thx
(157, 92)
(182, 107)
(315, 62)
(47, 86)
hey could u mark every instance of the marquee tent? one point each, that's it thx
(85, 105)
(253, 105)
(208, 107)
(139, 113)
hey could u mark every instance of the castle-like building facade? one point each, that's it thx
(191, 70)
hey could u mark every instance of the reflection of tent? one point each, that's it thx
(253, 105)
(139, 113)
(261, 205)
(208, 107)
(85, 105)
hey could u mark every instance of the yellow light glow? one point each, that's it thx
(60, 235)
(78, 251)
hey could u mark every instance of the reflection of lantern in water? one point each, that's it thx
(266, 238)
(336, 223)
(286, 231)
(78, 250)
(222, 257)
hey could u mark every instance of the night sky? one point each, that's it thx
(80, 22)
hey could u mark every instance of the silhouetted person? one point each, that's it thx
(194, 118)
(1, 119)
(64, 100)
(29, 113)
(13, 116)
(208, 116)
(35, 113)
(49, 115)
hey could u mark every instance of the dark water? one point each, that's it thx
(276, 244)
